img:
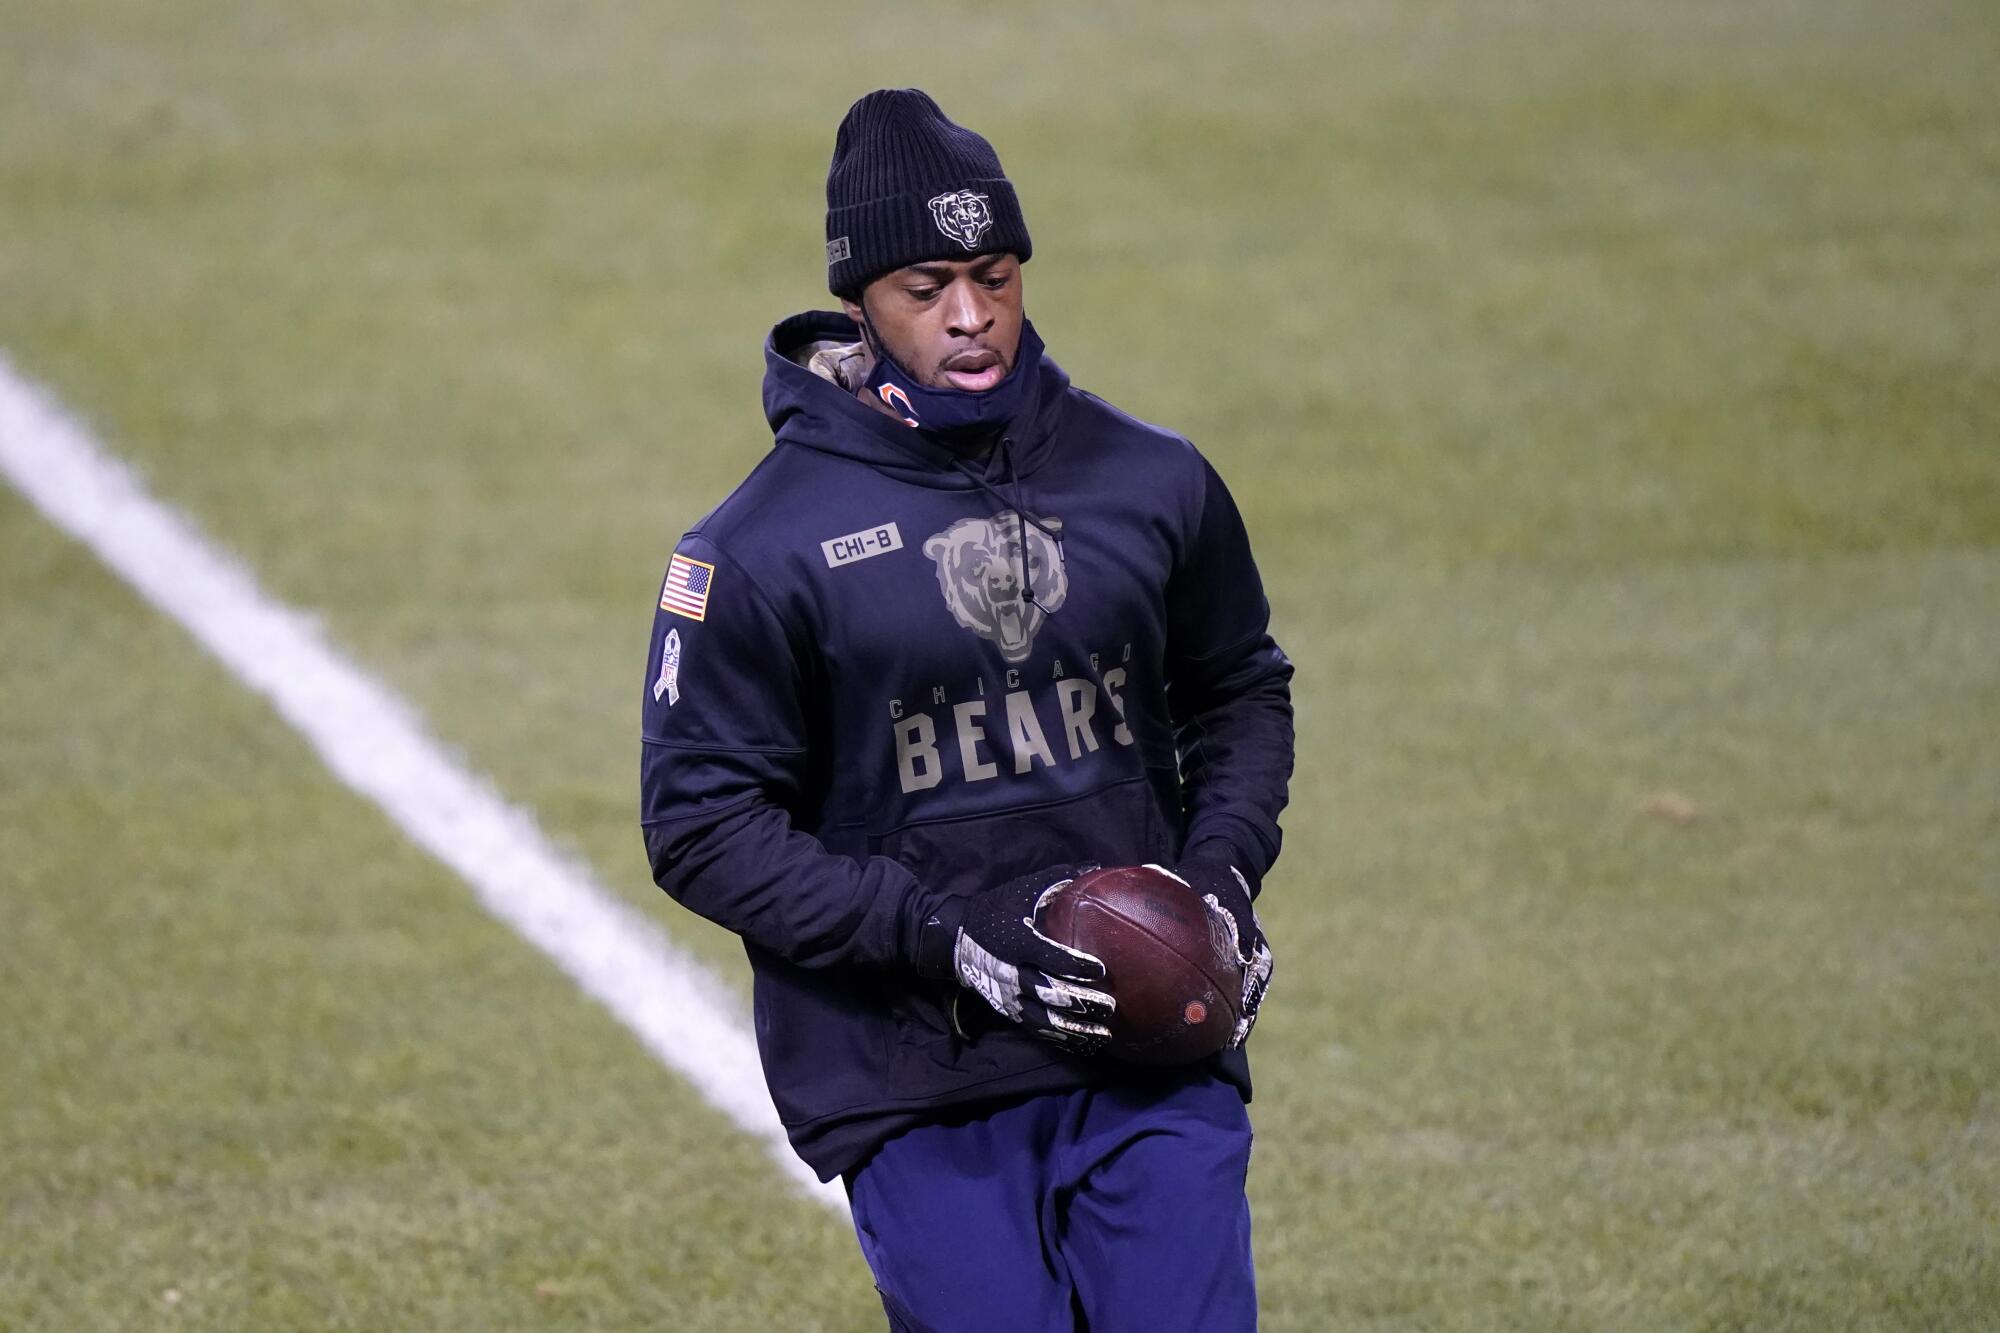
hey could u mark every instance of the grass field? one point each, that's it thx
(1613, 390)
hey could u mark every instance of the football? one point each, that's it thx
(1168, 963)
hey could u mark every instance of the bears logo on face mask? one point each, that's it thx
(981, 564)
(898, 401)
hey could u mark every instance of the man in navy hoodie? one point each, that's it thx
(964, 631)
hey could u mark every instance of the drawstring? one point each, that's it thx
(1054, 534)
(1021, 510)
(1007, 460)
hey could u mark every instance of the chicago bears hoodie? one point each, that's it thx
(873, 686)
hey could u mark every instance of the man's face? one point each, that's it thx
(953, 323)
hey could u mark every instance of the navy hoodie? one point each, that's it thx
(854, 710)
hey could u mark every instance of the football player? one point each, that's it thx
(963, 631)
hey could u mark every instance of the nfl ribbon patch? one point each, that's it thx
(669, 682)
(687, 588)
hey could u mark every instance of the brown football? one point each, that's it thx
(1177, 981)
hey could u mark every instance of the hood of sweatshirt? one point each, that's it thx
(812, 412)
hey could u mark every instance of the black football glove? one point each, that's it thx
(994, 950)
(1227, 893)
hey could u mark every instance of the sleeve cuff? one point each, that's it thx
(1217, 850)
(937, 938)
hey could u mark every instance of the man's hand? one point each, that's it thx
(1222, 886)
(994, 949)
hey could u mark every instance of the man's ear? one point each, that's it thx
(859, 314)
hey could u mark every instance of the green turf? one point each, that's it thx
(269, 1067)
(1614, 392)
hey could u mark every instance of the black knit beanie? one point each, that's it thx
(907, 185)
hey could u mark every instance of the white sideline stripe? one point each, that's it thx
(375, 744)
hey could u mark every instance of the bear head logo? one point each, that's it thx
(980, 566)
(963, 216)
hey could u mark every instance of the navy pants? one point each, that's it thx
(1102, 1209)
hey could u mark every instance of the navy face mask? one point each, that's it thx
(957, 411)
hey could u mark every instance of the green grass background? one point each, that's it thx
(1614, 393)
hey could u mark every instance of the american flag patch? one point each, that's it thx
(686, 591)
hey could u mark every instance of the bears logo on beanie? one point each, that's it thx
(907, 185)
